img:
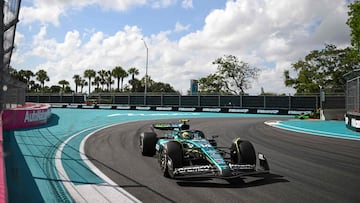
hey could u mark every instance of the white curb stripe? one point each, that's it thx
(108, 192)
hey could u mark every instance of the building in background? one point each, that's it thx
(194, 87)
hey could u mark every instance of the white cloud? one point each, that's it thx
(274, 31)
(49, 11)
(187, 4)
(162, 3)
(179, 27)
(268, 34)
(42, 13)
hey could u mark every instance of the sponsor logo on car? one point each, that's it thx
(241, 166)
(193, 169)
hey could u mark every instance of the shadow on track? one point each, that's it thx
(136, 183)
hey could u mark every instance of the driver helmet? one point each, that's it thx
(186, 135)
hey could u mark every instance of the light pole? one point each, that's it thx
(146, 69)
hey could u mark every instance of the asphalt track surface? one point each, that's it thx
(304, 168)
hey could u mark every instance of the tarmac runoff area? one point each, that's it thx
(55, 163)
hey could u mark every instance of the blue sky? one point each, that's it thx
(183, 36)
(150, 20)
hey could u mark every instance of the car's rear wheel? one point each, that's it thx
(171, 157)
(242, 152)
(147, 143)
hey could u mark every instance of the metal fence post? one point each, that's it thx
(264, 101)
(162, 99)
(219, 100)
(199, 102)
(241, 101)
(289, 102)
(356, 95)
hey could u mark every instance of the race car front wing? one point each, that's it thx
(210, 171)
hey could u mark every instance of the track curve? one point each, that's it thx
(304, 168)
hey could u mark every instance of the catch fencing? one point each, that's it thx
(12, 92)
(250, 102)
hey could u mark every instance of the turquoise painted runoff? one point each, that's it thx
(336, 129)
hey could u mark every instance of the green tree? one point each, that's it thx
(55, 89)
(133, 71)
(89, 73)
(322, 69)
(235, 74)
(96, 82)
(102, 74)
(82, 84)
(161, 87)
(137, 85)
(77, 81)
(25, 77)
(42, 76)
(109, 81)
(119, 73)
(354, 23)
(35, 87)
(213, 83)
(63, 83)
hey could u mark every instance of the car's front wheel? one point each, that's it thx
(171, 157)
(242, 152)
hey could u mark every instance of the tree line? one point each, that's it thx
(233, 77)
(102, 80)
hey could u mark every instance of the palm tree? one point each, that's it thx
(133, 71)
(77, 80)
(63, 83)
(82, 84)
(108, 79)
(89, 73)
(25, 76)
(96, 82)
(102, 74)
(42, 76)
(119, 73)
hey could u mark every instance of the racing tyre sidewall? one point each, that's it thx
(172, 155)
(243, 152)
(147, 143)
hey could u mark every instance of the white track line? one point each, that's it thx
(107, 192)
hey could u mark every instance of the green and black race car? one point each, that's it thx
(186, 153)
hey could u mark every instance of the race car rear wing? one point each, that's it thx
(181, 125)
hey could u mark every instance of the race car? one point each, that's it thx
(186, 153)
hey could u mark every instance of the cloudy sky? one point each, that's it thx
(66, 37)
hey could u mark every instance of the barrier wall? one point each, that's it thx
(3, 197)
(29, 115)
(352, 121)
(185, 109)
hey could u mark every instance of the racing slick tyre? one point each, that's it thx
(242, 152)
(171, 157)
(147, 143)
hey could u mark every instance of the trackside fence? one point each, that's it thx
(214, 101)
